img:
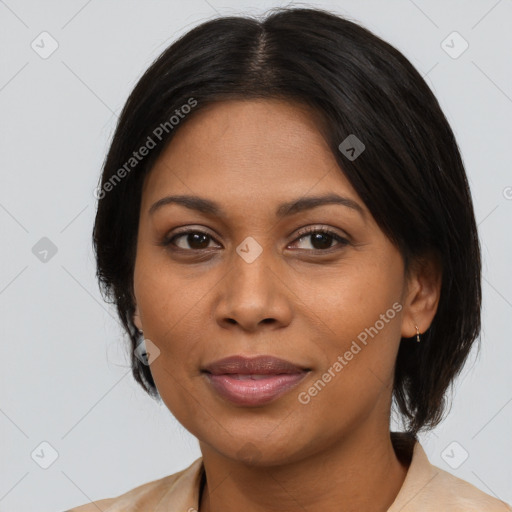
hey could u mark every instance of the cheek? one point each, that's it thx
(168, 313)
(350, 298)
(355, 379)
(164, 301)
(355, 315)
(164, 292)
(173, 308)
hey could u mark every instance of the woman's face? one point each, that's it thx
(250, 282)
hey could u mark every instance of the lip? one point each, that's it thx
(253, 381)
(261, 365)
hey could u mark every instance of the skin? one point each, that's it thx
(294, 302)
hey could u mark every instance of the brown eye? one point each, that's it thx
(196, 240)
(321, 239)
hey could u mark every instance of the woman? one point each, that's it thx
(285, 226)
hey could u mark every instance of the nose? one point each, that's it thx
(252, 294)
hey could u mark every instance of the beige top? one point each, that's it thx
(426, 488)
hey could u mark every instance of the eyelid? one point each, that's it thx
(191, 229)
(323, 229)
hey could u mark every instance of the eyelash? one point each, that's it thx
(342, 242)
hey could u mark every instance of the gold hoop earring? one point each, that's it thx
(417, 334)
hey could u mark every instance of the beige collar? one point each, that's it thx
(426, 487)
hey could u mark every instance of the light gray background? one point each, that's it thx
(65, 375)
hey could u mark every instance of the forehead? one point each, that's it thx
(239, 151)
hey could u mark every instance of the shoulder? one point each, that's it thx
(146, 495)
(142, 494)
(94, 506)
(459, 495)
(428, 488)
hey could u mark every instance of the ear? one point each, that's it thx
(136, 318)
(423, 290)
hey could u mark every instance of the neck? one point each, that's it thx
(360, 472)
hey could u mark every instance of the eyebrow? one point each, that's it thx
(209, 207)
